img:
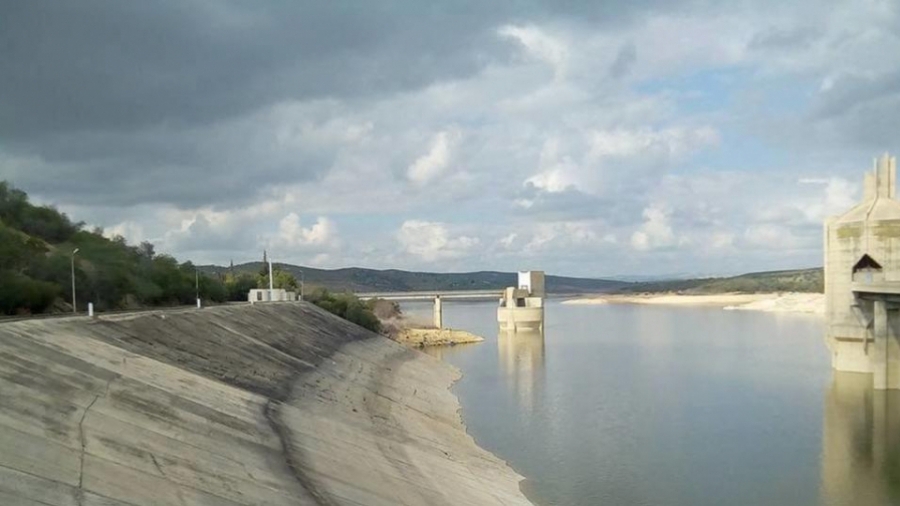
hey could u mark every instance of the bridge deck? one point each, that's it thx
(428, 295)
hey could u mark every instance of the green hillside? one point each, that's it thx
(356, 279)
(801, 280)
(36, 251)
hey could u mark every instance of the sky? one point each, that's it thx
(586, 138)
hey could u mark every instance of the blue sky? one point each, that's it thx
(591, 139)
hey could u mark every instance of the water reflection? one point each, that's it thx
(860, 443)
(521, 356)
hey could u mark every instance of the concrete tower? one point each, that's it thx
(862, 281)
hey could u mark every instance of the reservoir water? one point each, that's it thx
(653, 405)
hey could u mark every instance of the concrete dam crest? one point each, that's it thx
(276, 404)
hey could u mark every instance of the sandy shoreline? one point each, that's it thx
(813, 303)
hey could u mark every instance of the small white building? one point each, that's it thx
(274, 295)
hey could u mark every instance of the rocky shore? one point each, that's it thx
(421, 337)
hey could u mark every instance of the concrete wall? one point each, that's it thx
(871, 228)
(515, 318)
(532, 282)
(276, 404)
(266, 295)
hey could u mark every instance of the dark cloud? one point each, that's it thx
(226, 167)
(859, 110)
(854, 92)
(790, 39)
(126, 102)
(100, 64)
(624, 60)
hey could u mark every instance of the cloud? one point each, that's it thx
(625, 59)
(558, 171)
(433, 164)
(669, 143)
(655, 233)
(565, 135)
(839, 196)
(431, 241)
(771, 236)
(540, 45)
(291, 234)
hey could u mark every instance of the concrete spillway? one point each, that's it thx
(277, 404)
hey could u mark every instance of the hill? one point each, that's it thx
(357, 279)
(41, 249)
(798, 280)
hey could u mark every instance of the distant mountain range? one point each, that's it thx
(795, 280)
(356, 279)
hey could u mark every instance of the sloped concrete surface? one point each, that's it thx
(276, 404)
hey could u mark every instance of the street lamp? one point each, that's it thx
(74, 305)
(301, 284)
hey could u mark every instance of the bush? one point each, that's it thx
(347, 306)
(21, 294)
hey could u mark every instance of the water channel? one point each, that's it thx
(652, 405)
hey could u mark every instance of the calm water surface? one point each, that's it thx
(644, 405)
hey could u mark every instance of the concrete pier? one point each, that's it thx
(879, 355)
(522, 307)
(438, 312)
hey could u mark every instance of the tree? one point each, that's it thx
(238, 286)
(147, 250)
(282, 279)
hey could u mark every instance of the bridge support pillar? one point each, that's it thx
(438, 312)
(879, 357)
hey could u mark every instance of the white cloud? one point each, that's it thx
(606, 158)
(840, 195)
(560, 236)
(432, 241)
(771, 236)
(669, 143)
(433, 164)
(557, 171)
(655, 233)
(508, 240)
(132, 232)
(291, 234)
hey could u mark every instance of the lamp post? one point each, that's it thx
(74, 305)
(301, 284)
(271, 282)
(197, 285)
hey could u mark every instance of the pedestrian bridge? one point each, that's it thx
(437, 296)
(431, 295)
